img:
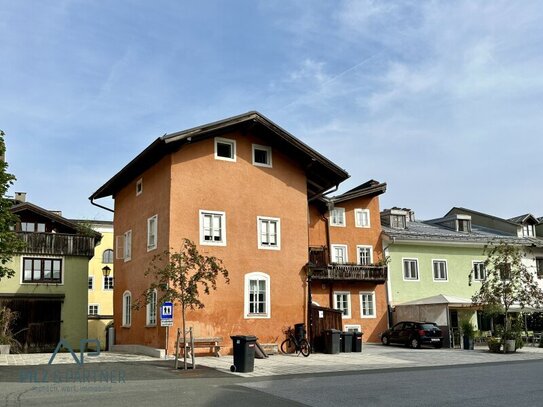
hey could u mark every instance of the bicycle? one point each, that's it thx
(292, 344)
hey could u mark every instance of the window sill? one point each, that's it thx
(257, 316)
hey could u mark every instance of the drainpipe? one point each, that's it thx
(100, 206)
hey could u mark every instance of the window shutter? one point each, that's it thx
(119, 247)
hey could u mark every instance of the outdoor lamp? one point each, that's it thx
(106, 271)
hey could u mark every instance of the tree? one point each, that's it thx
(10, 243)
(507, 283)
(179, 277)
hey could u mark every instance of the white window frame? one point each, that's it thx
(353, 327)
(139, 187)
(258, 276)
(152, 233)
(225, 141)
(403, 269)
(441, 261)
(334, 220)
(104, 278)
(358, 257)
(268, 150)
(333, 257)
(108, 251)
(482, 263)
(151, 314)
(127, 309)
(119, 247)
(357, 219)
(260, 221)
(97, 309)
(127, 247)
(348, 294)
(373, 304)
(222, 242)
(91, 283)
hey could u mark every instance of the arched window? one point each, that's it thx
(257, 295)
(107, 256)
(127, 308)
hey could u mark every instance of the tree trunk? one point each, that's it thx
(184, 337)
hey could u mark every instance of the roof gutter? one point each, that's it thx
(100, 206)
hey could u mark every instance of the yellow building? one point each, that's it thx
(100, 304)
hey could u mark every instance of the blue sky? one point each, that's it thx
(442, 100)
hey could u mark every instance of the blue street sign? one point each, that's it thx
(166, 310)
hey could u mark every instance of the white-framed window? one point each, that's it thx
(397, 221)
(528, 231)
(152, 231)
(212, 228)
(338, 253)
(362, 218)
(128, 245)
(479, 272)
(410, 269)
(539, 267)
(257, 302)
(139, 186)
(151, 314)
(269, 233)
(352, 328)
(364, 255)
(262, 156)
(94, 309)
(107, 256)
(337, 217)
(225, 149)
(91, 283)
(439, 268)
(342, 302)
(107, 283)
(127, 309)
(367, 304)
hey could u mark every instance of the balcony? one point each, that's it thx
(57, 244)
(321, 269)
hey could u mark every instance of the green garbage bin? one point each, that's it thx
(244, 353)
(346, 342)
(331, 341)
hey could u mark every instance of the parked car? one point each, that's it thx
(413, 334)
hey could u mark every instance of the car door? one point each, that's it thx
(396, 332)
(405, 333)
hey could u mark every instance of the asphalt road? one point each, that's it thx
(157, 384)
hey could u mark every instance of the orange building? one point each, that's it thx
(239, 188)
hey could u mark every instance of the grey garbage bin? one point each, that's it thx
(346, 342)
(331, 341)
(244, 353)
(357, 342)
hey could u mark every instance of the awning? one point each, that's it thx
(450, 300)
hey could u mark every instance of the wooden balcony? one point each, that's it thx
(321, 269)
(58, 244)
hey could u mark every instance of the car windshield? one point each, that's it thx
(428, 327)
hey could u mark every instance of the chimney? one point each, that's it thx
(20, 196)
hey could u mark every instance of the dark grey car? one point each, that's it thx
(414, 334)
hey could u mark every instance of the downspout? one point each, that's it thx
(387, 286)
(100, 206)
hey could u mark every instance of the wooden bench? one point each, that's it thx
(213, 344)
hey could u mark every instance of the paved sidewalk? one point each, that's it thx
(373, 357)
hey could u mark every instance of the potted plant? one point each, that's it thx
(468, 332)
(494, 344)
(7, 337)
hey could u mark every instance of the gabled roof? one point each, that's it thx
(468, 211)
(369, 188)
(19, 207)
(322, 174)
(520, 220)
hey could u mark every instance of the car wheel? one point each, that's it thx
(415, 343)
(385, 340)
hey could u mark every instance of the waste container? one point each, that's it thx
(357, 342)
(299, 331)
(346, 342)
(331, 340)
(244, 353)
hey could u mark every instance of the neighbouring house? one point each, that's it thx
(100, 283)
(430, 263)
(244, 190)
(49, 288)
(348, 271)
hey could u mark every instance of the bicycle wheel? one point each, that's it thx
(305, 347)
(287, 346)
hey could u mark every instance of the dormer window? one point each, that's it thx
(528, 231)
(397, 221)
(463, 225)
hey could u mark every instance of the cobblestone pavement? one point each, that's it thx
(373, 357)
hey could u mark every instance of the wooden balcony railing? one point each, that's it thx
(321, 269)
(57, 244)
